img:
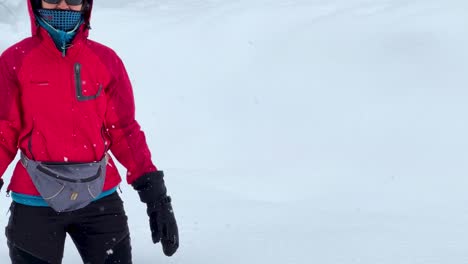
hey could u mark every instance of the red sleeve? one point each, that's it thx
(128, 142)
(10, 118)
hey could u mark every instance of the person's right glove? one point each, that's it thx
(152, 191)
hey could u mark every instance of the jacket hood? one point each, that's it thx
(34, 4)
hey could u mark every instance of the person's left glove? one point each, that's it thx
(152, 191)
(163, 225)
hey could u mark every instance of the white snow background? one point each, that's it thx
(295, 132)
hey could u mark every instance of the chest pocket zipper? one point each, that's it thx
(79, 87)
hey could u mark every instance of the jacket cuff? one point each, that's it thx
(150, 187)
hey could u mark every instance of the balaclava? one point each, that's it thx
(62, 25)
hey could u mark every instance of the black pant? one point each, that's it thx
(36, 235)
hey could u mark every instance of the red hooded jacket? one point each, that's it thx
(71, 108)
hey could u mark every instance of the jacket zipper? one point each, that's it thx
(79, 87)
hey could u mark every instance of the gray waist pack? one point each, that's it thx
(67, 186)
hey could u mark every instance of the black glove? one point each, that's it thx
(152, 191)
(163, 225)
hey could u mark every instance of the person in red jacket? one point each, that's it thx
(66, 102)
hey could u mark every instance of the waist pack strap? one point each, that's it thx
(25, 160)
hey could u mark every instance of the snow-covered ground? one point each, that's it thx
(299, 131)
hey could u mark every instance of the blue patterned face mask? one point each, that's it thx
(65, 20)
